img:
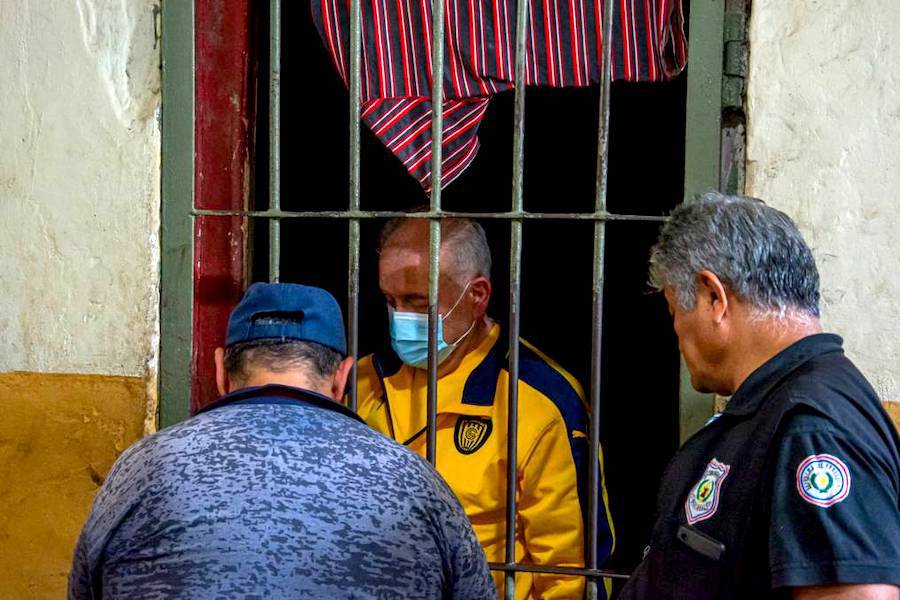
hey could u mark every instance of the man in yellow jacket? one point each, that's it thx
(553, 454)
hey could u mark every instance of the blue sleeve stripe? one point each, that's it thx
(534, 371)
(537, 373)
(481, 385)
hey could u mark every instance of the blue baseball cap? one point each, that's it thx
(287, 311)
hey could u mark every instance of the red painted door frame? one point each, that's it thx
(225, 83)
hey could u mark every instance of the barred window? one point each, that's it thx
(267, 176)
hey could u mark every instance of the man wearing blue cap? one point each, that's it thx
(276, 490)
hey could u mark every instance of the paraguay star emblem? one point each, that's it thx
(823, 480)
(471, 433)
(703, 499)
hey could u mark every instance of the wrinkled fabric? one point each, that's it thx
(563, 48)
(275, 501)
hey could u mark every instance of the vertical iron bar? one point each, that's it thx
(274, 137)
(597, 291)
(434, 233)
(515, 287)
(353, 273)
(434, 265)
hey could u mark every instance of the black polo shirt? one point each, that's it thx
(796, 483)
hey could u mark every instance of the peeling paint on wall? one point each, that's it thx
(79, 291)
(79, 186)
(116, 34)
(823, 106)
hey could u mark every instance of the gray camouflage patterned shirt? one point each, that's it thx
(276, 493)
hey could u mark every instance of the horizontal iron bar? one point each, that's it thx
(520, 568)
(379, 214)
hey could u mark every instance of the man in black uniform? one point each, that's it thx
(794, 490)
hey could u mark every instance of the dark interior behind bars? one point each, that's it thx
(639, 411)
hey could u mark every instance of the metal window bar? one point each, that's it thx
(516, 216)
(389, 214)
(434, 229)
(275, 138)
(515, 289)
(597, 290)
(177, 233)
(354, 222)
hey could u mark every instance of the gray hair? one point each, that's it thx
(317, 362)
(755, 250)
(464, 239)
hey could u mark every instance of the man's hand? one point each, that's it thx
(848, 592)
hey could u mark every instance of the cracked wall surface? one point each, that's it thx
(79, 183)
(79, 226)
(823, 108)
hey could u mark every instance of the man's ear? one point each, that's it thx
(480, 290)
(221, 374)
(712, 296)
(339, 383)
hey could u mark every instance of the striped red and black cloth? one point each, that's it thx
(563, 49)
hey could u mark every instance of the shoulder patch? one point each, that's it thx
(471, 433)
(823, 480)
(703, 499)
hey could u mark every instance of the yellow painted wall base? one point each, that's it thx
(893, 411)
(59, 435)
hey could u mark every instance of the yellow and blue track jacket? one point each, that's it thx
(552, 458)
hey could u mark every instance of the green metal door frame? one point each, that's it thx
(177, 227)
(702, 159)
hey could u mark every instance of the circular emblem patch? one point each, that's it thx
(823, 480)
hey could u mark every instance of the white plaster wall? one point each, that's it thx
(823, 107)
(79, 185)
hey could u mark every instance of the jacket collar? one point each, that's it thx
(279, 394)
(476, 376)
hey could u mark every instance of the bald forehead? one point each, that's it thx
(410, 234)
(409, 243)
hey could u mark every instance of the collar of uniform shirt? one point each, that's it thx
(748, 398)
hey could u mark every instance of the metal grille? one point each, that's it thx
(177, 191)
(516, 215)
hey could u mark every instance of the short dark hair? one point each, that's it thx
(317, 361)
(756, 250)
